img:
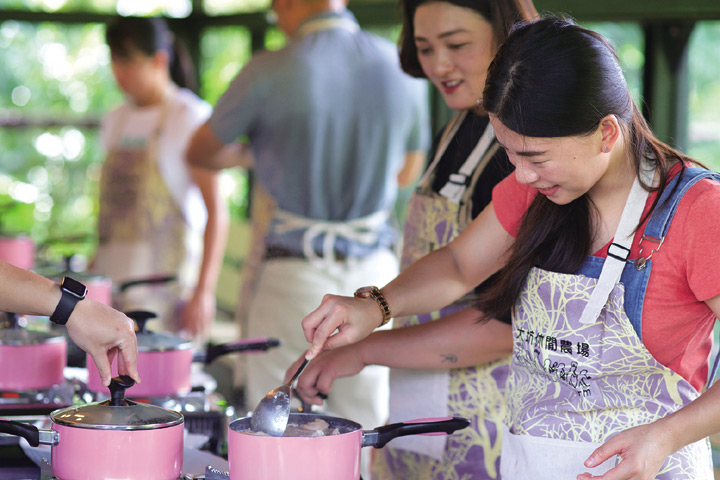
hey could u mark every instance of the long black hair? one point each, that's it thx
(553, 78)
(150, 35)
(501, 14)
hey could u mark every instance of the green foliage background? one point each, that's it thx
(59, 76)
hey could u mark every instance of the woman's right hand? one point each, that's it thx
(340, 321)
(317, 380)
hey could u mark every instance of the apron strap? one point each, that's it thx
(327, 24)
(363, 230)
(458, 182)
(447, 135)
(618, 251)
(115, 133)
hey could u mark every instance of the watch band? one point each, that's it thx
(72, 292)
(375, 293)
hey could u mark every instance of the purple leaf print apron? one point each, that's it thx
(580, 374)
(476, 393)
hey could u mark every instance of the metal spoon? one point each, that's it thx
(272, 413)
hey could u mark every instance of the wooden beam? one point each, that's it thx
(633, 10)
(385, 12)
(249, 20)
(665, 81)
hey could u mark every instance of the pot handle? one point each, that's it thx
(141, 317)
(380, 436)
(146, 281)
(250, 345)
(118, 385)
(12, 320)
(32, 434)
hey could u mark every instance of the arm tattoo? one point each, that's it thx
(449, 358)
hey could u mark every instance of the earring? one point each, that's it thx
(606, 149)
(478, 101)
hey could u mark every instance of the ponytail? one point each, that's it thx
(182, 70)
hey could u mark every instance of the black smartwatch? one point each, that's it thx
(72, 292)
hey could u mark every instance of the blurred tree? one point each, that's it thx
(56, 84)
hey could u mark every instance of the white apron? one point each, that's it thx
(142, 230)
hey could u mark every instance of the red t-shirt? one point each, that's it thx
(677, 325)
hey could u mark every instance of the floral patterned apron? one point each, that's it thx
(476, 393)
(579, 376)
(142, 230)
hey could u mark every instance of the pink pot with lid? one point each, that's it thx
(116, 438)
(30, 359)
(99, 288)
(18, 250)
(165, 360)
(327, 457)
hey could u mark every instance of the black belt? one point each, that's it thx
(282, 252)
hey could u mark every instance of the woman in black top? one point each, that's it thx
(451, 43)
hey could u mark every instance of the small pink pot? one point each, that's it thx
(18, 251)
(112, 439)
(99, 288)
(163, 373)
(165, 361)
(332, 457)
(30, 360)
(169, 372)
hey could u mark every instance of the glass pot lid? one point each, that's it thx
(13, 334)
(117, 413)
(149, 341)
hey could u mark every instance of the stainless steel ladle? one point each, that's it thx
(272, 413)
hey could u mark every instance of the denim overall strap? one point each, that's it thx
(635, 277)
(659, 223)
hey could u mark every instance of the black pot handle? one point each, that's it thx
(146, 281)
(12, 320)
(19, 429)
(380, 436)
(141, 317)
(118, 385)
(249, 345)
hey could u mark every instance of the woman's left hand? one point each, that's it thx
(642, 451)
(318, 378)
(198, 314)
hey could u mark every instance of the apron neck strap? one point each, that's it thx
(454, 189)
(164, 110)
(326, 23)
(619, 250)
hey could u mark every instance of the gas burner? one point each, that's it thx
(41, 401)
(193, 401)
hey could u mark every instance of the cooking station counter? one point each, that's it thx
(16, 465)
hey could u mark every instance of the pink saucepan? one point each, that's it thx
(30, 359)
(327, 457)
(165, 360)
(18, 250)
(116, 438)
